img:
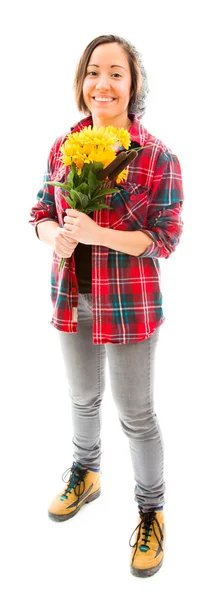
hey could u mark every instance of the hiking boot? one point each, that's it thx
(82, 487)
(148, 554)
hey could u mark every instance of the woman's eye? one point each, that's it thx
(112, 74)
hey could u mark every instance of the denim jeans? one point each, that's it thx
(131, 370)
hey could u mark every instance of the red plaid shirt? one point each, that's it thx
(126, 295)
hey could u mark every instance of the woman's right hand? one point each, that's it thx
(63, 245)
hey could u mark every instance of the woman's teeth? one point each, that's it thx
(103, 99)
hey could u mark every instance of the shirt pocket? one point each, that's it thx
(129, 207)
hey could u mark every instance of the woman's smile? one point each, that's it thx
(103, 99)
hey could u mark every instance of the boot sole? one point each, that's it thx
(145, 572)
(90, 498)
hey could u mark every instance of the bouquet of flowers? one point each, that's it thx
(91, 157)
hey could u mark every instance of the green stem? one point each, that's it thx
(139, 148)
(61, 264)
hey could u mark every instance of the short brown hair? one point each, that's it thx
(139, 85)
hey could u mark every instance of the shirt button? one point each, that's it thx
(74, 288)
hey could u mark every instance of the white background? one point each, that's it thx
(89, 556)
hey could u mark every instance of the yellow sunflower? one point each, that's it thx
(94, 144)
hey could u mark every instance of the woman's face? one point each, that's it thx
(107, 85)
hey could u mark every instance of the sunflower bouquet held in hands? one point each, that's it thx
(91, 156)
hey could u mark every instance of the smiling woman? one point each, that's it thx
(110, 296)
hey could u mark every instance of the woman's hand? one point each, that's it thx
(79, 226)
(64, 245)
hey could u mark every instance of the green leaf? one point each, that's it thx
(80, 199)
(70, 178)
(73, 195)
(83, 188)
(92, 181)
(85, 172)
(99, 206)
(84, 200)
(104, 192)
(62, 185)
(70, 202)
(96, 166)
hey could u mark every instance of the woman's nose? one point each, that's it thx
(103, 83)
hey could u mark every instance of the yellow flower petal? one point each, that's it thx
(122, 176)
(124, 138)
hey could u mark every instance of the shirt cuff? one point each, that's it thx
(151, 248)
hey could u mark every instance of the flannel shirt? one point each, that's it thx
(126, 295)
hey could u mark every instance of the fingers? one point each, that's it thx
(68, 219)
(67, 234)
(68, 227)
(67, 231)
(64, 245)
(65, 251)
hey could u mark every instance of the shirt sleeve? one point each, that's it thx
(45, 208)
(165, 224)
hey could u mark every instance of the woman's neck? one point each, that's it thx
(105, 122)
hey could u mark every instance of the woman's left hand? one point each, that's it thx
(81, 227)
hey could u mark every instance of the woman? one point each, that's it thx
(108, 292)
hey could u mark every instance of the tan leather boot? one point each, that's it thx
(82, 487)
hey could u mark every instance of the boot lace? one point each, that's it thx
(77, 475)
(146, 525)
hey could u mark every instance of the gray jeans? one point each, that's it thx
(131, 369)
